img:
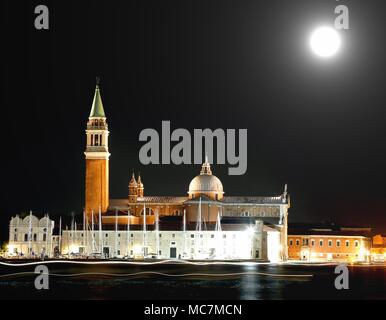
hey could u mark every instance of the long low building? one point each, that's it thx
(329, 243)
(242, 238)
(229, 241)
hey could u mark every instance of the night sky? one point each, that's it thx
(318, 125)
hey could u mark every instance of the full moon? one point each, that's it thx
(325, 42)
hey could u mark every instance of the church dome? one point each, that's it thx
(206, 184)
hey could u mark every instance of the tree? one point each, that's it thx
(3, 247)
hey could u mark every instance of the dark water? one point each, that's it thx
(365, 282)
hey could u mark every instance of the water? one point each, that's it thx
(200, 282)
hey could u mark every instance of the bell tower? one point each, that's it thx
(97, 158)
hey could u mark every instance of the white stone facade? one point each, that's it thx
(32, 237)
(250, 242)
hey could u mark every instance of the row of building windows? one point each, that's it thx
(33, 237)
(150, 212)
(160, 235)
(305, 242)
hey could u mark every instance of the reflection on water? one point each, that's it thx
(171, 281)
(249, 285)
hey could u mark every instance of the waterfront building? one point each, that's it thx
(378, 249)
(328, 243)
(234, 241)
(32, 237)
(200, 223)
(204, 203)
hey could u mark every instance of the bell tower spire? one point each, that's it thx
(97, 157)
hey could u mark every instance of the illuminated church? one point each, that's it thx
(202, 224)
(204, 208)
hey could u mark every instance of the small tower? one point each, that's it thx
(97, 158)
(133, 189)
(205, 169)
(141, 188)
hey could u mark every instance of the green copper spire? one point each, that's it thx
(97, 105)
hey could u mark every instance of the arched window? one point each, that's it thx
(149, 212)
(25, 237)
(176, 213)
(35, 237)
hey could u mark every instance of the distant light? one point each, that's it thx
(325, 42)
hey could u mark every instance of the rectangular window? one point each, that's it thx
(313, 243)
(321, 243)
(192, 235)
(305, 242)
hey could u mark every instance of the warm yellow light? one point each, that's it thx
(10, 248)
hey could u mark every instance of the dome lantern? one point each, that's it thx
(206, 184)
